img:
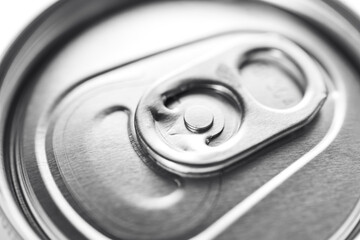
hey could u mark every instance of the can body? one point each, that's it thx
(182, 120)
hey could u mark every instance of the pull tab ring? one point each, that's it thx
(184, 139)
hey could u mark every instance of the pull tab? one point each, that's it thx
(203, 118)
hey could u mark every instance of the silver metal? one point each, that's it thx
(198, 119)
(73, 167)
(221, 73)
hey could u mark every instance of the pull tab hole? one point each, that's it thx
(273, 79)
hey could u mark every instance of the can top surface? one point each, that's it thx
(186, 120)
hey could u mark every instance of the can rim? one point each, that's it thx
(17, 63)
(339, 21)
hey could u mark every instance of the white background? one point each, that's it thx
(16, 14)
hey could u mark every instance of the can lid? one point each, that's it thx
(181, 131)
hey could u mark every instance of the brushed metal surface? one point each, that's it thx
(78, 163)
(91, 205)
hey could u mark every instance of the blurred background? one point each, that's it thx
(14, 17)
(16, 14)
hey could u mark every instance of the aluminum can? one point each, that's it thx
(182, 120)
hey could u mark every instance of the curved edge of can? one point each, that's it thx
(343, 24)
(16, 63)
(14, 54)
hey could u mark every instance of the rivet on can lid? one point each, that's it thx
(198, 119)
